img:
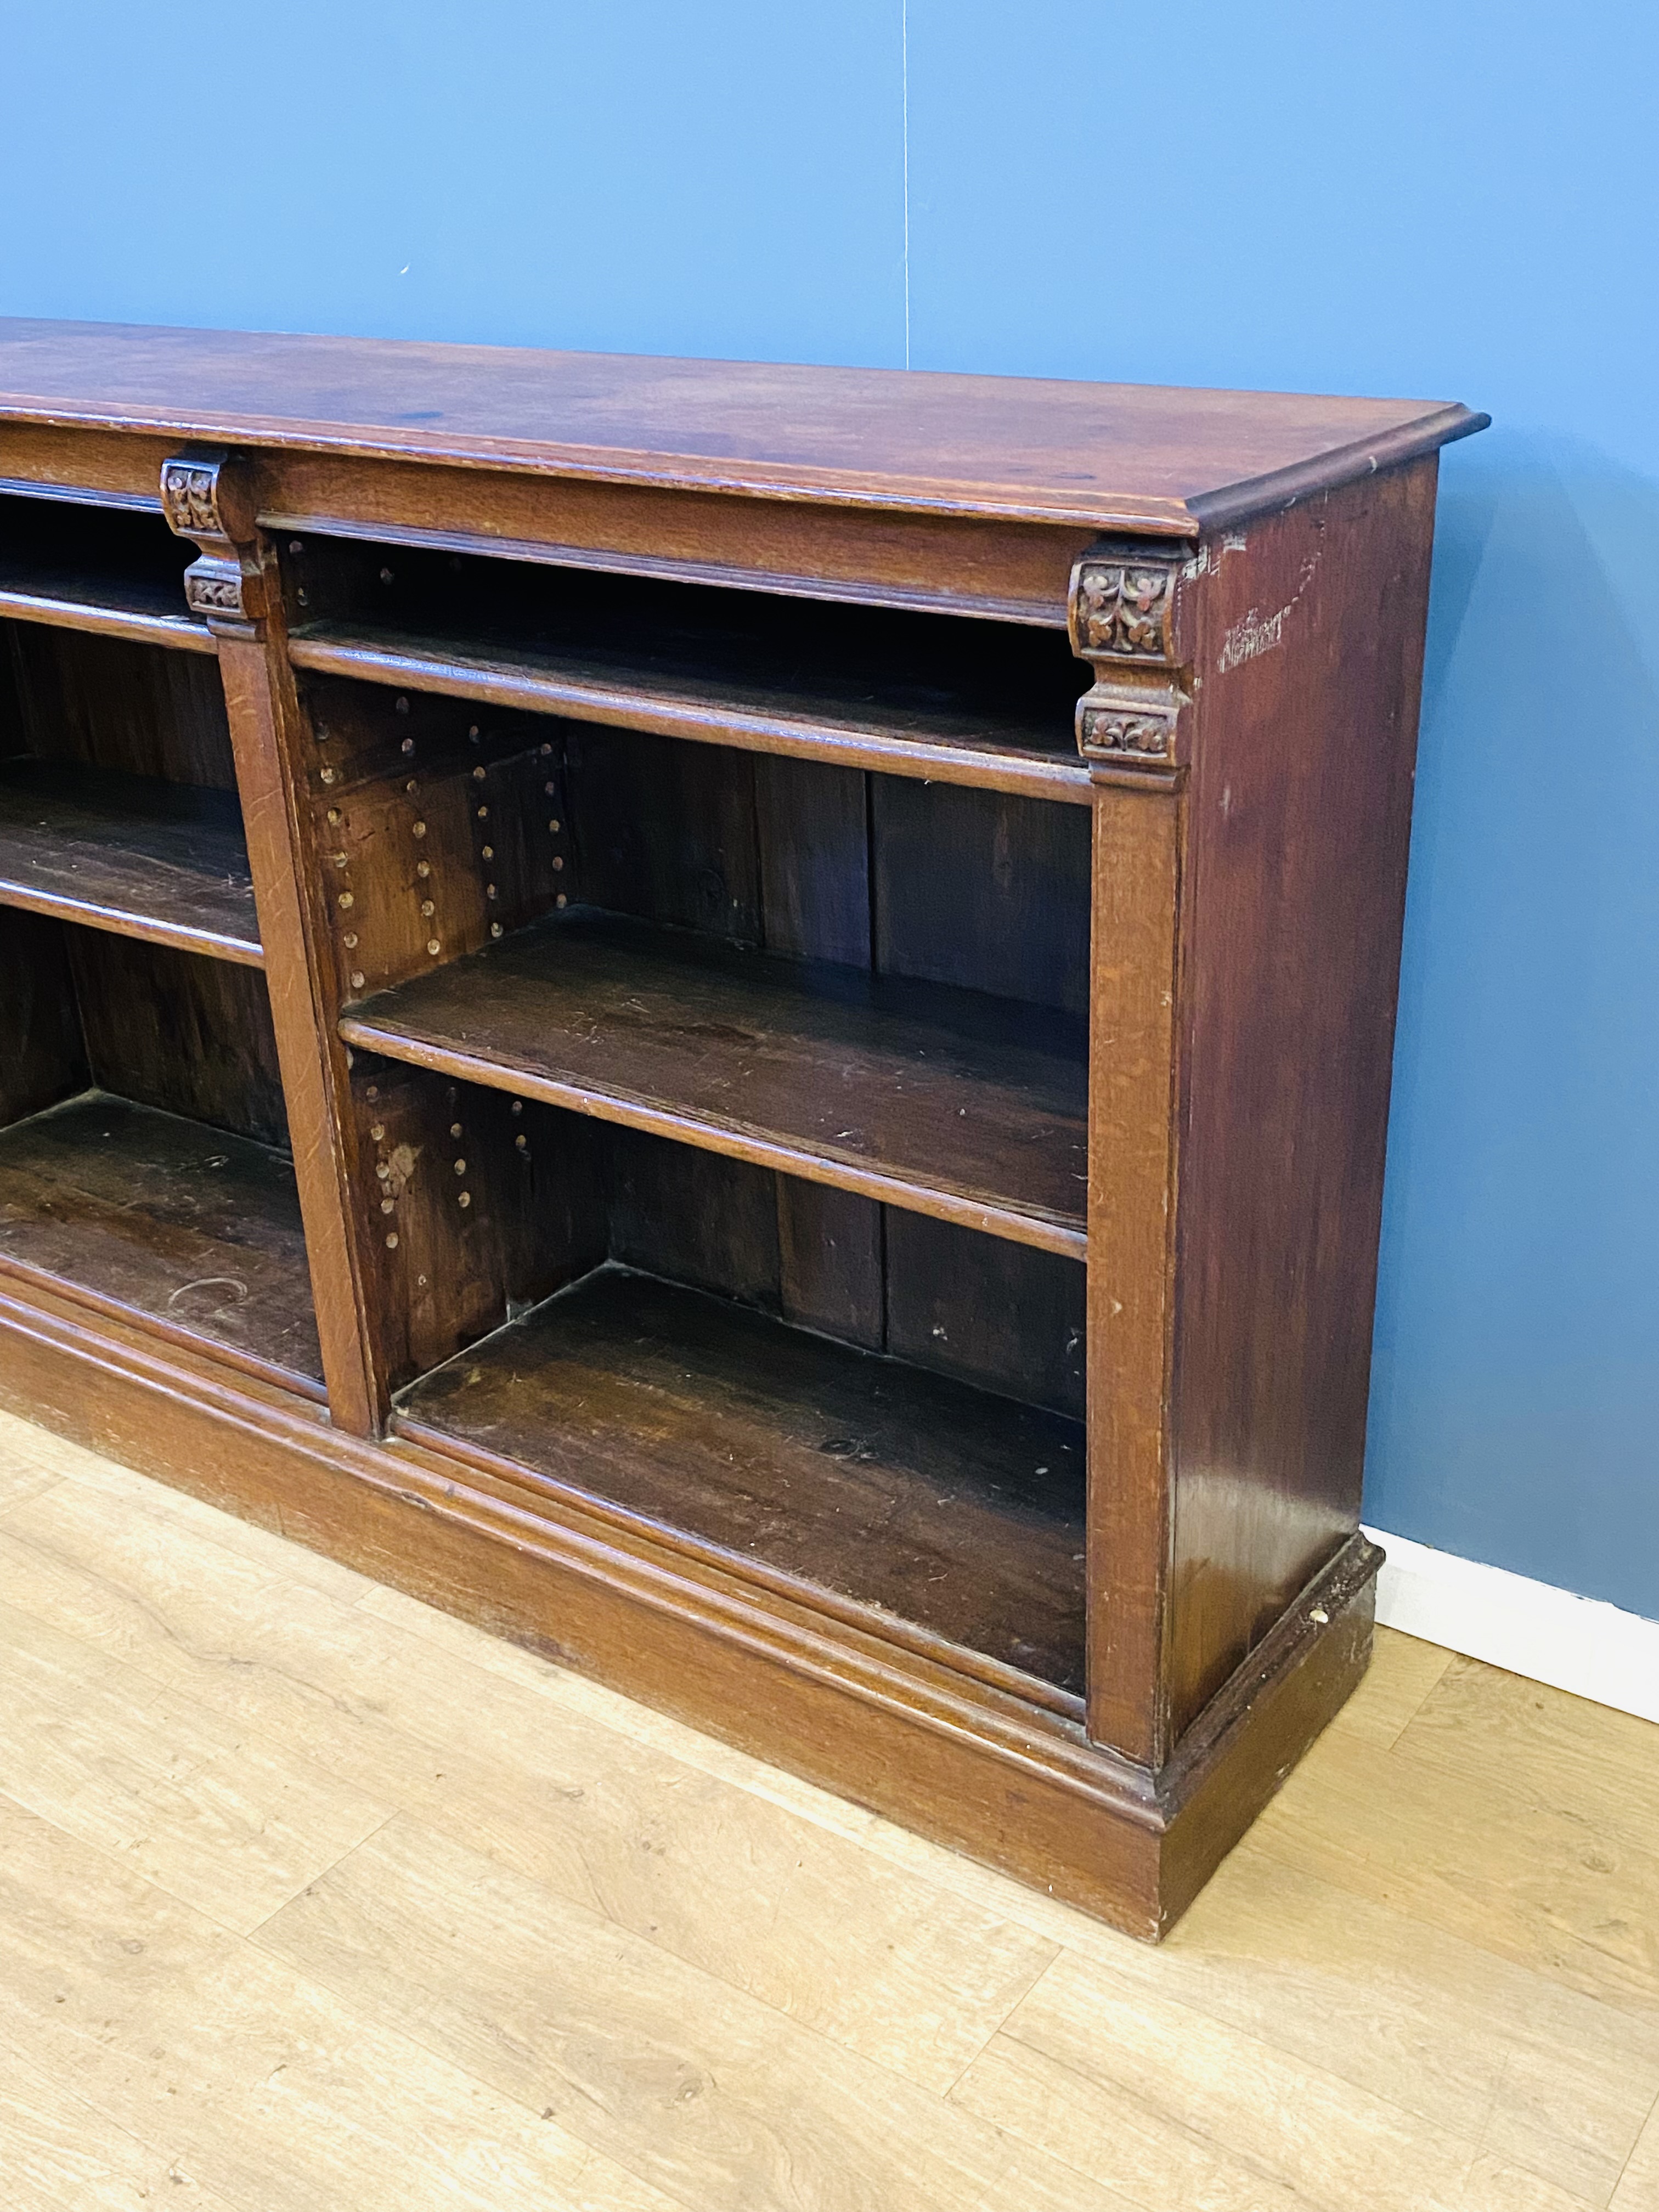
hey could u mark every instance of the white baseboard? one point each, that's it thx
(1549, 1635)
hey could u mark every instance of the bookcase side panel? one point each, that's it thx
(1309, 628)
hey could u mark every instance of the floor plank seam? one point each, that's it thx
(1040, 1976)
(304, 1888)
(1651, 2121)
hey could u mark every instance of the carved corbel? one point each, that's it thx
(208, 497)
(1123, 621)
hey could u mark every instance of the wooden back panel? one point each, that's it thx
(109, 703)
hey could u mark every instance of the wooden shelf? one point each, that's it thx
(949, 1102)
(939, 744)
(151, 612)
(144, 858)
(860, 1481)
(147, 1215)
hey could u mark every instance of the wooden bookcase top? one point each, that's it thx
(1159, 459)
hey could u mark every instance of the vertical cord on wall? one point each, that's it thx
(904, 51)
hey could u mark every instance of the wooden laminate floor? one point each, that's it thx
(314, 1900)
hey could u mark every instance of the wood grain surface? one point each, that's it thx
(1158, 458)
(311, 1895)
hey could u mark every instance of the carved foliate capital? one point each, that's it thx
(1123, 611)
(1125, 727)
(207, 497)
(1122, 619)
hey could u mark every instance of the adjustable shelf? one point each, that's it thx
(841, 1475)
(792, 721)
(106, 606)
(186, 1229)
(917, 694)
(819, 1026)
(102, 570)
(950, 1101)
(135, 854)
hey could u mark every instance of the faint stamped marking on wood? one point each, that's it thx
(1255, 633)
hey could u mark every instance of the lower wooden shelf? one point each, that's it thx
(854, 1480)
(145, 1214)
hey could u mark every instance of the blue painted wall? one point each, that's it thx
(1458, 199)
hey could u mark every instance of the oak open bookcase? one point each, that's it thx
(736, 1020)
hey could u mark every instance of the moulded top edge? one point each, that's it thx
(1161, 460)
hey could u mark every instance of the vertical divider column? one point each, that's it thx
(1126, 619)
(1131, 1193)
(208, 497)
